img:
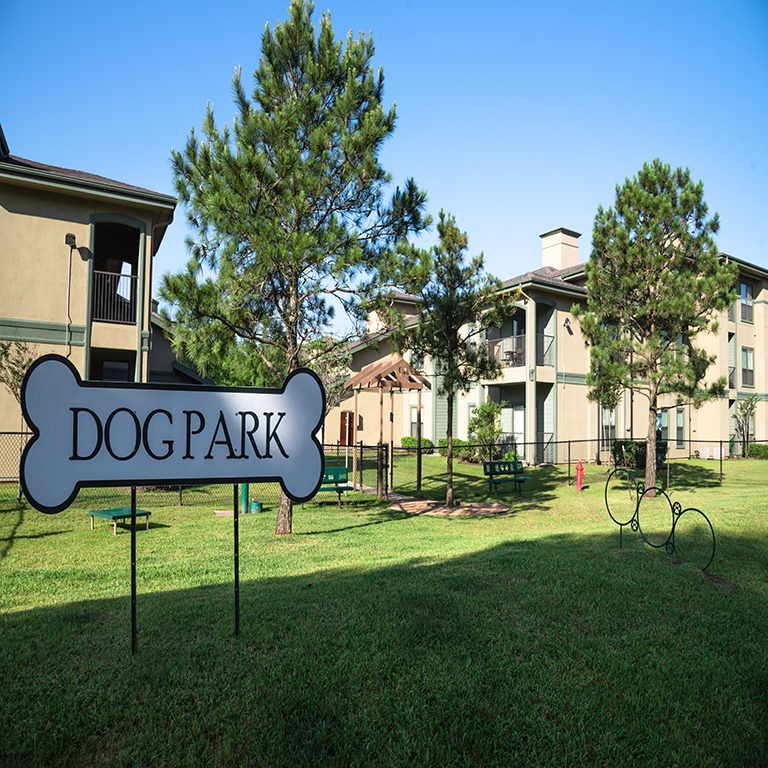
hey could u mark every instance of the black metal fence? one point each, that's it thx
(363, 461)
(384, 469)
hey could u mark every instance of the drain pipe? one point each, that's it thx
(70, 241)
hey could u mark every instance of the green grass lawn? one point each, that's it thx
(374, 638)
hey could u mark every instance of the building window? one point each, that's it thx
(680, 428)
(747, 367)
(747, 302)
(662, 424)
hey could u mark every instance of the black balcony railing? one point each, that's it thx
(545, 350)
(510, 351)
(114, 297)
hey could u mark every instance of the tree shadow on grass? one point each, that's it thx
(469, 484)
(381, 516)
(485, 658)
(683, 476)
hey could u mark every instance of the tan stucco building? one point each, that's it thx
(77, 256)
(543, 391)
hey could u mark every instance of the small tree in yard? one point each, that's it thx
(290, 209)
(484, 427)
(455, 305)
(744, 413)
(15, 359)
(654, 282)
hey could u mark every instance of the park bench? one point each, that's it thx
(120, 513)
(499, 472)
(335, 479)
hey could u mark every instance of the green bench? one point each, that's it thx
(120, 513)
(499, 472)
(335, 480)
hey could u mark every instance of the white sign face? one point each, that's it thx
(104, 434)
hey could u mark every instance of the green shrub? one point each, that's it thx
(632, 453)
(412, 444)
(461, 449)
(758, 451)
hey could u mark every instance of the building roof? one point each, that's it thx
(549, 277)
(18, 170)
(14, 168)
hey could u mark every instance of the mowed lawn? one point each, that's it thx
(374, 638)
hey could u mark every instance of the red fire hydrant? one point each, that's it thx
(579, 475)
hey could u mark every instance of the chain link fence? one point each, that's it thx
(363, 460)
(374, 469)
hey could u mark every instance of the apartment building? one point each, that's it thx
(77, 256)
(542, 389)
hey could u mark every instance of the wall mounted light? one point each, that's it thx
(69, 239)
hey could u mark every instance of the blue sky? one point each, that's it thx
(517, 117)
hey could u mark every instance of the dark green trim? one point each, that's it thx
(746, 395)
(579, 379)
(41, 332)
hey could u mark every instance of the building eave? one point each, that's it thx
(20, 172)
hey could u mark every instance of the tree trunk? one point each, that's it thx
(650, 450)
(284, 524)
(449, 469)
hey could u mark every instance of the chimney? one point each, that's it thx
(560, 248)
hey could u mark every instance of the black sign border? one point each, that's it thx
(165, 388)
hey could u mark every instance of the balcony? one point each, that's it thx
(114, 297)
(510, 352)
(545, 352)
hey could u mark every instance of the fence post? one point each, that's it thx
(418, 468)
(569, 463)
(721, 462)
(380, 471)
(391, 466)
(361, 465)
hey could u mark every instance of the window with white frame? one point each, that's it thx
(747, 367)
(747, 291)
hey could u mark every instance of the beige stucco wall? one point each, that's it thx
(41, 294)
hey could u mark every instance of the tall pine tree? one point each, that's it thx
(654, 282)
(289, 208)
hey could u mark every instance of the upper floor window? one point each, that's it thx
(680, 428)
(747, 367)
(747, 291)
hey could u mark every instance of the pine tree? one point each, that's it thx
(456, 304)
(289, 208)
(654, 282)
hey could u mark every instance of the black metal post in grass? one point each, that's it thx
(237, 564)
(134, 641)
(721, 462)
(418, 468)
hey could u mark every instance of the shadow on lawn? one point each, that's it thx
(469, 484)
(495, 653)
(381, 516)
(683, 475)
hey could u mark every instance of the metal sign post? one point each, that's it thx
(103, 434)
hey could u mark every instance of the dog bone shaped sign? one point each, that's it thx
(89, 433)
